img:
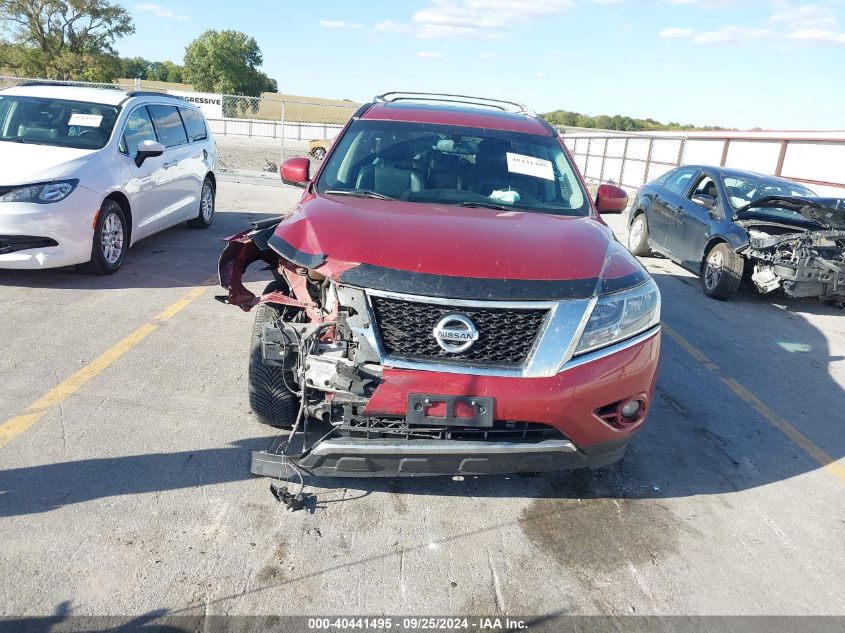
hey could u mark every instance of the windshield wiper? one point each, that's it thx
(486, 205)
(358, 193)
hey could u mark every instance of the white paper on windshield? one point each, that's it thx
(85, 120)
(530, 166)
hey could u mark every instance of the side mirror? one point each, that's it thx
(703, 200)
(148, 149)
(296, 171)
(611, 199)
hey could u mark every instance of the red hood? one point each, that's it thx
(451, 241)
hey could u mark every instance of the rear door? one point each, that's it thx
(198, 161)
(180, 194)
(666, 204)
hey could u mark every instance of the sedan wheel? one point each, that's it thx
(638, 236)
(722, 272)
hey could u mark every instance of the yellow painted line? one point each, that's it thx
(13, 427)
(801, 440)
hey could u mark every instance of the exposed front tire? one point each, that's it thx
(111, 239)
(638, 236)
(269, 398)
(205, 216)
(722, 272)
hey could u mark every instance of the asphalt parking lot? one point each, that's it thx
(124, 483)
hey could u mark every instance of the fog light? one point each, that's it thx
(631, 409)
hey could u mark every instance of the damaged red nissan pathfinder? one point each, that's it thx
(447, 300)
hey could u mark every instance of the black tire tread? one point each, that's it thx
(269, 399)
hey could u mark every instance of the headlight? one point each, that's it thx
(621, 315)
(42, 193)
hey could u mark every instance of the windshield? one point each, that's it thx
(56, 122)
(445, 164)
(743, 191)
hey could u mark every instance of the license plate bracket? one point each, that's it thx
(454, 409)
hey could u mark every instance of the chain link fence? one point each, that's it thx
(628, 160)
(254, 135)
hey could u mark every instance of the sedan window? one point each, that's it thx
(679, 181)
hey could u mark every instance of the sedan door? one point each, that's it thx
(695, 222)
(666, 198)
(672, 203)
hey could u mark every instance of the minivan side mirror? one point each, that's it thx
(148, 149)
(296, 171)
(704, 200)
(611, 199)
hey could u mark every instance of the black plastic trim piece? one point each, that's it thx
(306, 260)
(471, 288)
(625, 282)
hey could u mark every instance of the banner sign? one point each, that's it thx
(211, 104)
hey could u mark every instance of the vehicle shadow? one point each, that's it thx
(179, 256)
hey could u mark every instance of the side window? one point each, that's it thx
(138, 128)
(707, 186)
(168, 124)
(194, 124)
(679, 181)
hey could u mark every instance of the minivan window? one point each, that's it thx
(56, 122)
(168, 124)
(138, 128)
(454, 165)
(194, 124)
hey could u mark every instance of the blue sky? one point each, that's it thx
(774, 64)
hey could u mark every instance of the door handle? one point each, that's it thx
(170, 164)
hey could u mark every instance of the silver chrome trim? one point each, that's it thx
(603, 352)
(553, 346)
(362, 446)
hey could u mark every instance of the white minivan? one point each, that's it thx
(86, 172)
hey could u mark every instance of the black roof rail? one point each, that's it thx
(514, 107)
(152, 93)
(63, 84)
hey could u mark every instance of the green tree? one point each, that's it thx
(226, 61)
(64, 39)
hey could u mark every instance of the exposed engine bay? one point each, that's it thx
(804, 257)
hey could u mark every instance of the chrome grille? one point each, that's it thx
(506, 334)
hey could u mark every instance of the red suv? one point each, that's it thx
(447, 300)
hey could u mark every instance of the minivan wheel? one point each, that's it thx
(111, 239)
(205, 216)
(722, 272)
(638, 236)
(269, 398)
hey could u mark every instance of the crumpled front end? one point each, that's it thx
(801, 264)
(413, 373)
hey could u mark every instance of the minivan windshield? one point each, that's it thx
(56, 122)
(455, 165)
